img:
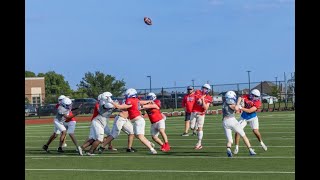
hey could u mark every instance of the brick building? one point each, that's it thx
(35, 90)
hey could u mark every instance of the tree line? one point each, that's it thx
(91, 85)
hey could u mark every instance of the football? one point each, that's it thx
(147, 21)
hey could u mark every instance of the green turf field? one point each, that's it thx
(182, 162)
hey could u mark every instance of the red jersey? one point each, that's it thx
(70, 113)
(134, 111)
(155, 114)
(188, 101)
(198, 108)
(250, 103)
(95, 110)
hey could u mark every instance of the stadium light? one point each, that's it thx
(249, 79)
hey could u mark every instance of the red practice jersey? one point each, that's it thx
(188, 101)
(250, 103)
(134, 110)
(155, 114)
(198, 108)
(95, 110)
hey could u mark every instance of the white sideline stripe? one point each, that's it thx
(164, 171)
(37, 147)
(166, 157)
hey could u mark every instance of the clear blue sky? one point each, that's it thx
(204, 40)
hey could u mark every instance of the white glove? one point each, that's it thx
(240, 107)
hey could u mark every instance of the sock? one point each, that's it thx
(200, 135)
(237, 146)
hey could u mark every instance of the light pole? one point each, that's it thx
(276, 82)
(192, 83)
(249, 79)
(150, 82)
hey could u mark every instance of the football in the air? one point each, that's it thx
(147, 20)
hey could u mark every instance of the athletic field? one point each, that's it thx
(182, 162)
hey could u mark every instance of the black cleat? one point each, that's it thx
(60, 150)
(45, 147)
(101, 149)
(131, 150)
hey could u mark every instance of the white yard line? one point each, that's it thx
(164, 171)
(166, 157)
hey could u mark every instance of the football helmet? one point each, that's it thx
(66, 103)
(151, 96)
(106, 96)
(61, 97)
(206, 88)
(254, 94)
(130, 93)
(231, 95)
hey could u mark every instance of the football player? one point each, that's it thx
(157, 120)
(229, 122)
(251, 103)
(202, 102)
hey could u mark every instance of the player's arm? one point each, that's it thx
(69, 117)
(239, 100)
(143, 102)
(121, 106)
(76, 107)
(249, 110)
(149, 106)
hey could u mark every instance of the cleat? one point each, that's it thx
(130, 150)
(60, 150)
(110, 148)
(79, 151)
(236, 151)
(64, 145)
(153, 151)
(229, 153)
(90, 154)
(101, 149)
(198, 147)
(264, 147)
(194, 134)
(252, 153)
(45, 147)
(185, 134)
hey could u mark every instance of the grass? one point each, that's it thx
(182, 162)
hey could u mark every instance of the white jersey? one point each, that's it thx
(61, 112)
(104, 113)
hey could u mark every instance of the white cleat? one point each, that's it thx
(252, 153)
(90, 154)
(153, 151)
(264, 147)
(79, 151)
(236, 151)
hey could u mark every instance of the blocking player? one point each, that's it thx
(187, 103)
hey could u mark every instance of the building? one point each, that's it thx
(35, 90)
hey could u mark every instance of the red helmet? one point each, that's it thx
(147, 21)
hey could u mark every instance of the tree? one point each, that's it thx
(29, 74)
(96, 83)
(55, 86)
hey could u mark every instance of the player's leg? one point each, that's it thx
(88, 142)
(254, 123)
(128, 129)
(138, 128)
(193, 119)
(239, 130)
(200, 123)
(162, 127)
(70, 131)
(186, 124)
(98, 130)
(108, 132)
(243, 124)
(228, 134)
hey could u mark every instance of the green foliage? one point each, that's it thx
(29, 74)
(96, 83)
(55, 86)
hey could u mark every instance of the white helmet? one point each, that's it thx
(106, 96)
(207, 86)
(61, 97)
(255, 92)
(231, 95)
(99, 97)
(66, 102)
(130, 93)
(151, 96)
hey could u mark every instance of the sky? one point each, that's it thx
(215, 41)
